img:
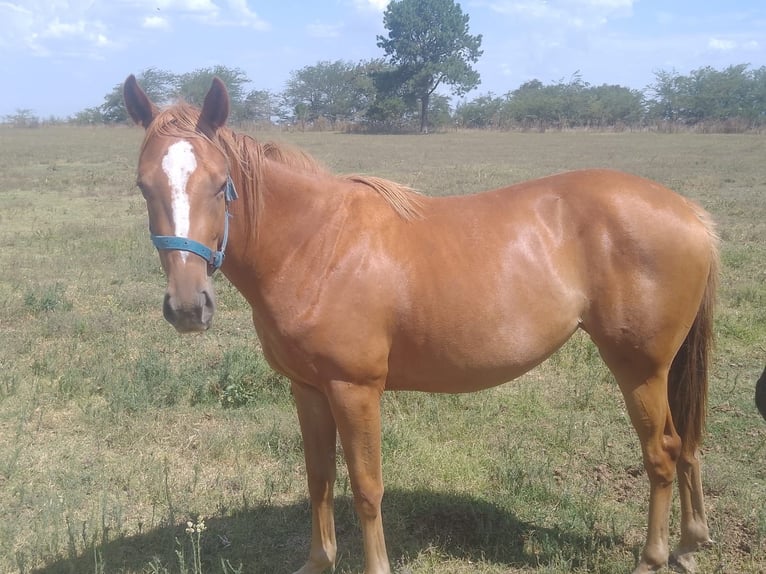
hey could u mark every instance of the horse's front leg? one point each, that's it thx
(357, 413)
(319, 431)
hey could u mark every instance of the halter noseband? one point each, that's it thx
(214, 258)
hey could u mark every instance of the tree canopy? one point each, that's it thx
(335, 91)
(707, 94)
(428, 44)
(346, 94)
(163, 87)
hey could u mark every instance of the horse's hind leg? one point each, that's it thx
(694, 528)
(319, 432)
(644, 387)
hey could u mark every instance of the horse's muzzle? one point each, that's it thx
(190, 316)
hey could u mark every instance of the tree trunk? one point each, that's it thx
(424, 113)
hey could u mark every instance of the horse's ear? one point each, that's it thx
(140, 108)
(215, 110)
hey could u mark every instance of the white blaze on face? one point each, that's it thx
(178, 164)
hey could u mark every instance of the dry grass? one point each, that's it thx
(113, 433)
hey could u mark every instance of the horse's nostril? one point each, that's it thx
(207, 308)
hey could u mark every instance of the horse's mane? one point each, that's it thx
(246, 158)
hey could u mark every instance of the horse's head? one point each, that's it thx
(184, 177)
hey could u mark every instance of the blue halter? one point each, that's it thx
(214, 258)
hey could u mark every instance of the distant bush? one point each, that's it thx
(22, 118)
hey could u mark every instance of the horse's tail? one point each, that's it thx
(760, 394)
(688, 378)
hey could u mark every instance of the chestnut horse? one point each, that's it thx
(358, 285)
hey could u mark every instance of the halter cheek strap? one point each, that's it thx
(213, 258)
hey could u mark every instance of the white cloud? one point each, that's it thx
(220, 13)
(155, 22)
(721, 45)
(533, 9)
(18, 26)
(609, 4)
(198, 6)
(58, 29)
(377, 5)
(578, 14)
(245, 16)
(730, 45)
(53, 27)
(84, 28)
(157, 14)
(88, 33)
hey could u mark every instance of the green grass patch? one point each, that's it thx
(116, 431)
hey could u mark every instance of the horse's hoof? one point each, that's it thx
(682, 560)
(644, 568)
(309, 568)
(683, 563)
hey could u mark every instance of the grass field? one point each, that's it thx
(115, 431)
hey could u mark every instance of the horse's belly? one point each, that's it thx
(451, 364)
(455, 381)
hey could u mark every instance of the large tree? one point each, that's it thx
(259, 106)
(158, 85)
(429, 45)
(193, 86)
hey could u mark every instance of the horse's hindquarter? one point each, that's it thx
(648, 252)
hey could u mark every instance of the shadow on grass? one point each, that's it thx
(275, 539)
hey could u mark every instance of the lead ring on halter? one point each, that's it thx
(214, 258)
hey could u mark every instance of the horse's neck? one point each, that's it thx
(295, 209)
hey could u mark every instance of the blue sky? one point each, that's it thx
(60, 56)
